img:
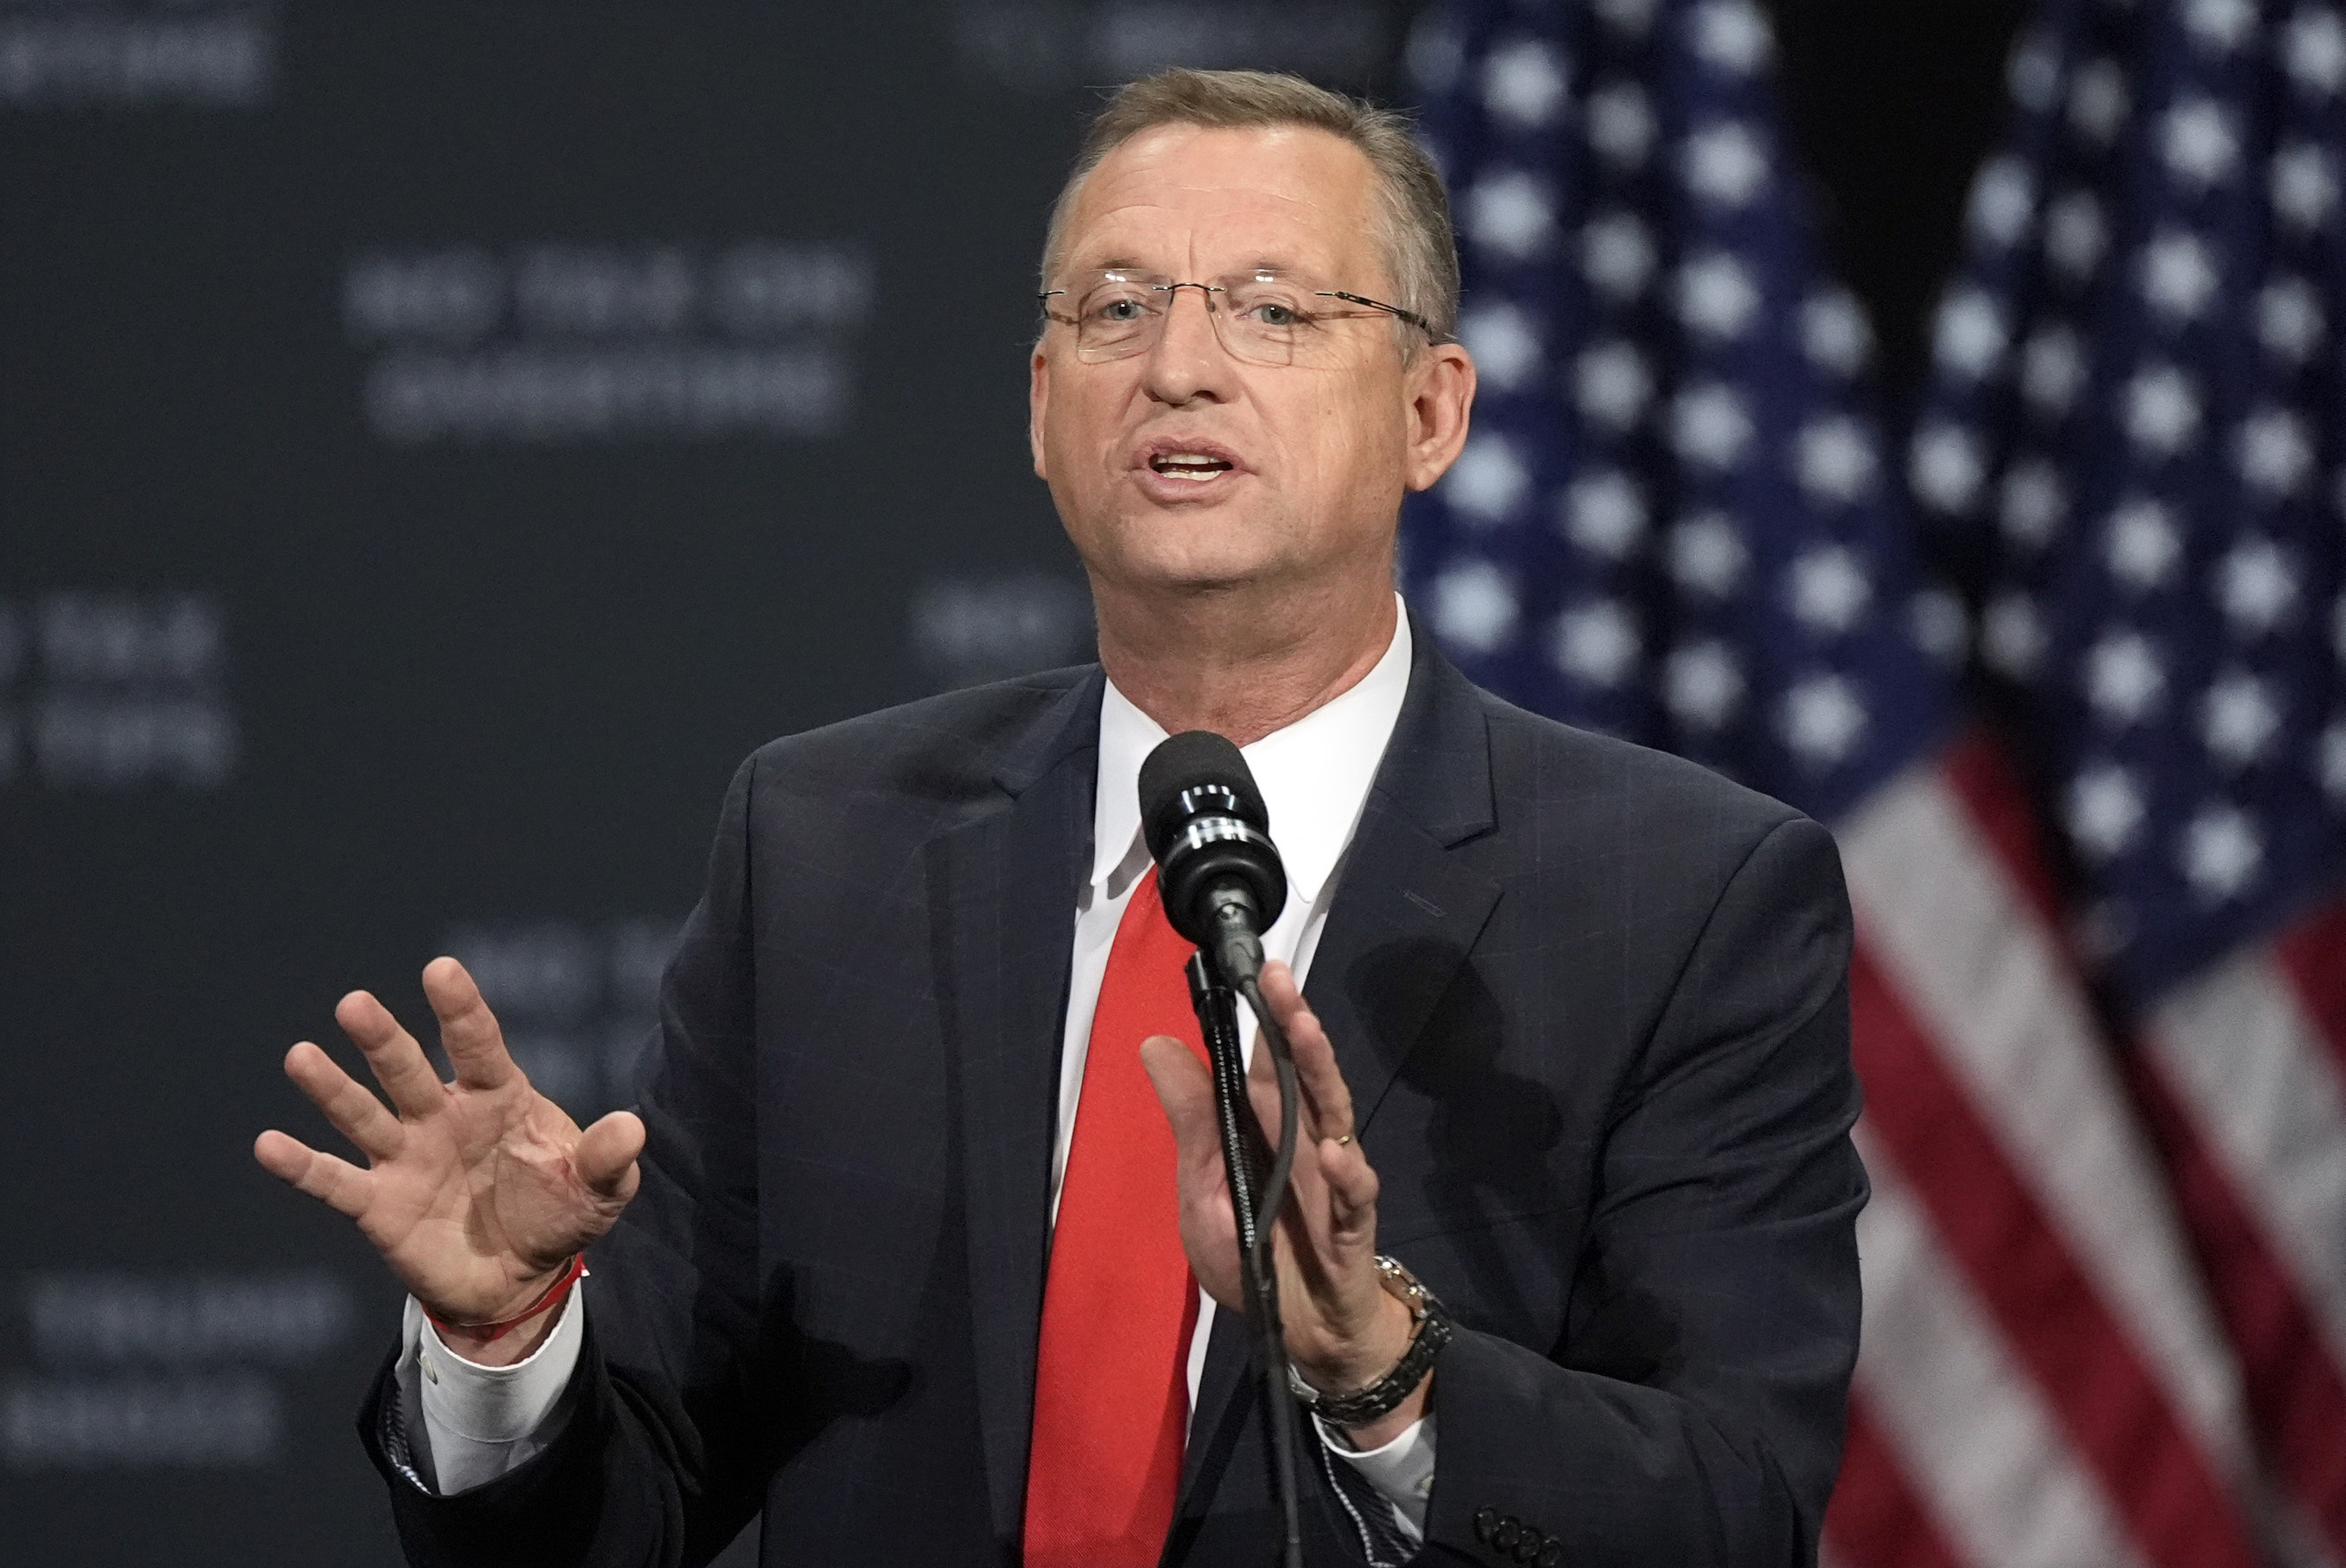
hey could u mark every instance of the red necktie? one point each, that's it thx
(1111, 1378)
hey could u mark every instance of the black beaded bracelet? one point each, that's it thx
(1382, 1398)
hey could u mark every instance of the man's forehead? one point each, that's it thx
(1287, 194)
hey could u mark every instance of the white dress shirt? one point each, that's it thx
(1314, 774)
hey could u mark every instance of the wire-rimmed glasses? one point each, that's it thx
(1264, 317)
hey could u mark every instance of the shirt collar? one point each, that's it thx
(1314, 774)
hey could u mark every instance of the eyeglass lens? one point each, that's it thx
(1268, 317)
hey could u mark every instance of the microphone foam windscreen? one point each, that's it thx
(1189, 760)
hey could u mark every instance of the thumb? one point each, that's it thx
(605, 1158)
(1186, 1089)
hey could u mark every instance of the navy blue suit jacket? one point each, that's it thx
(1591, 1002)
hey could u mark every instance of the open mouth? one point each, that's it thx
(1188, 466)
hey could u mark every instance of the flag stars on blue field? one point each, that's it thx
(1617, 255)
(2289, 320)
(2033, 76)
(1612, 384)
(1712, 425)
(2179, 275)
(1703, 685)
(2035, 503)
(1970, 337)
(2313, 51)
(2200, 142)
(2275, 452)
(2304, 186)
(2221, 852)
(2143, 547)
(2333, 762)
(1717, 296)
(1724, 164)
(1835, 460)
(1506, 344)
(1605, 513)
(2002, 201)
(1684, 535)
(1833, 332)
(2053, 370)
(1822, 719)
(2257, 586)
(2239, 720)
(2076, 236)
(1474, 607)
(2012, 633)
(2186, 708)
(1946, 467)
(2161, 410)
(1940, 626)
(1489, 483)
(2105, 810)
(2099, 101)
(2220, 26)
(1731, 35)
(1829, 591)
(1621, 125)
(1511, 212)
(1707, 557)
(1523, 84)
(1633, 18)
(2125, 679)
(1597, 643)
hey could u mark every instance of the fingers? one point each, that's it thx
(356, 1114)
(1352, 1185)
(399, 1062)
(606, 1157)
(338, 1183)
(476, 1046)
(1186, 1089)
(1327, 1100)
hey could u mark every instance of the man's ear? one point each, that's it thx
(1442, 397)
(1038, 398)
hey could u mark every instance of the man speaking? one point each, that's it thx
(919, 1240)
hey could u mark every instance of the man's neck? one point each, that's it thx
(1224, 660)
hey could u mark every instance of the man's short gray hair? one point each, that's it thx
(1421, 252)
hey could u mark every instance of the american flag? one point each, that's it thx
(1677, 521)
(2133, 450)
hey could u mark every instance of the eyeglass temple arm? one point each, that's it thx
(1411, 317)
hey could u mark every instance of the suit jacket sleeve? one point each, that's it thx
(1692, 1414)
(660, 1461)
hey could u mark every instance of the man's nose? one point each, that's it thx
(1187, 360)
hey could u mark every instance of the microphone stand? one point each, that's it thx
(1246, 1159)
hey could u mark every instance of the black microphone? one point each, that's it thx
(1210, 834)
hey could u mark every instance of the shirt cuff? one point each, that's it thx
(1401, 1470)
(482, 1421)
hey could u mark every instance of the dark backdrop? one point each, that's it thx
(437, 442)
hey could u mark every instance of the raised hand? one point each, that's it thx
(1345, 1330)
(477, 1191)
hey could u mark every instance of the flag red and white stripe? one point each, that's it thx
(2045, 1379)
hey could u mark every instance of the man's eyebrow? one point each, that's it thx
(1129, 264)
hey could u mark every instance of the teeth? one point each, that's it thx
(1189, 465)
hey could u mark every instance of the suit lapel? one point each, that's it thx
(1406, 909)
(1005, 897)
(1406, 912)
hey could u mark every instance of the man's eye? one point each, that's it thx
(1279, 314)
(1120, 311)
